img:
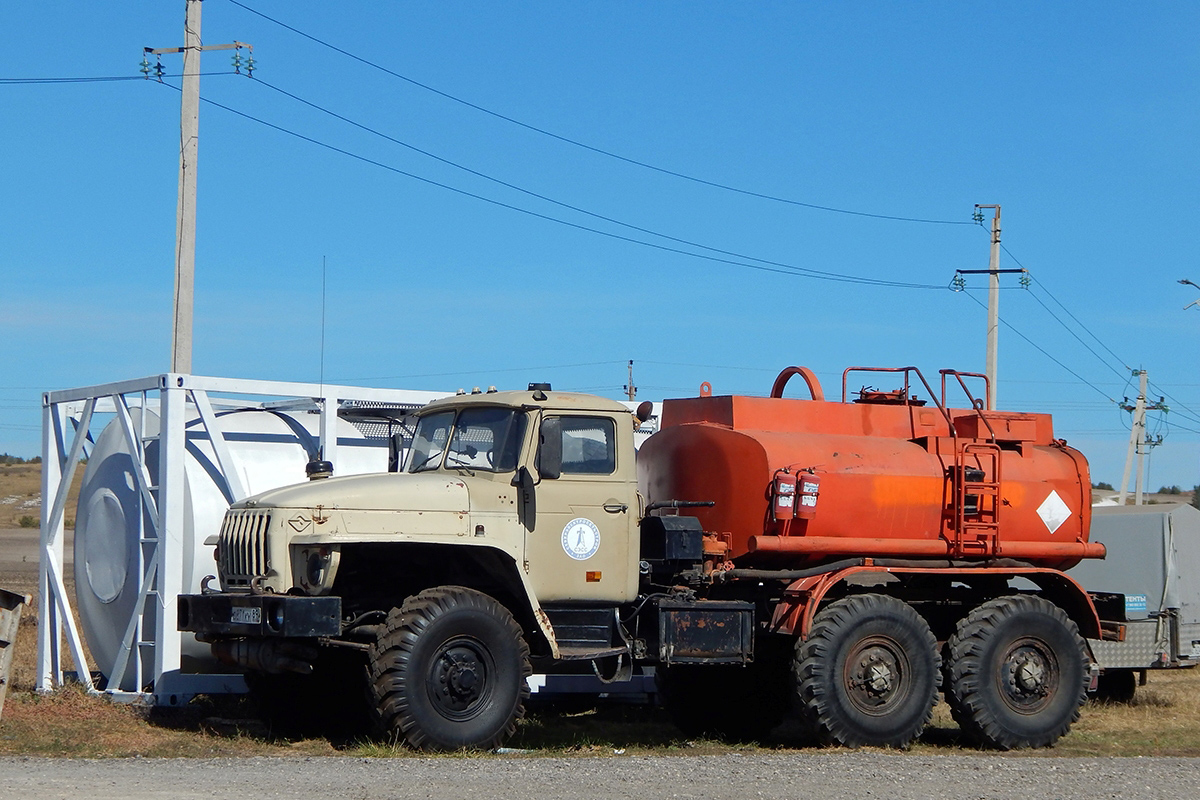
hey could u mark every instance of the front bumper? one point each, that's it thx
(252, 615)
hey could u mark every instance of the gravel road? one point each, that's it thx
(828, 776)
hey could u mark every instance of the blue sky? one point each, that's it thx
(1080, 121)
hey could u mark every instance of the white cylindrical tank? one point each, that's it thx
(268, 449)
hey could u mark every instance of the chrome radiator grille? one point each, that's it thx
(242, 548)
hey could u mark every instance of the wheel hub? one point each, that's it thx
(874, 675)
(1029, 676)
(458, 679)
(878, 675)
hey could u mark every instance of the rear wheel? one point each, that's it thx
(449, 671)
(1117, 686)
(1017, 673)
(867, 672)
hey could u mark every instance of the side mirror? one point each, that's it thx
(549, 457)
(523, 479)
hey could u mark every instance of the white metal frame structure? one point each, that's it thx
(66, 420)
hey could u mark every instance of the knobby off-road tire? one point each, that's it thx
(867, 673)
(1016, 674)
(449, 671)
(1117, 686)
(729, 701)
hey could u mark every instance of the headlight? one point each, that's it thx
(314, 567)
(318, 566)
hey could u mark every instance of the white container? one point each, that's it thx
(114, 536)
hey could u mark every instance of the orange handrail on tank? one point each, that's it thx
(976, 404)
(941, 406)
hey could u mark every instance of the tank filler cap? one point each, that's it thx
(318, 469)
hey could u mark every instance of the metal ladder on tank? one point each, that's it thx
(977, 533)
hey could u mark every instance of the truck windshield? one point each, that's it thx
(485, 439)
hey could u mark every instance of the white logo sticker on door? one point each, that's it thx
(581, 539)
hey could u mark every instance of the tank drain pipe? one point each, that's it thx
(787, 574)
(897, 563)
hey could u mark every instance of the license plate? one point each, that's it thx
(245, 615)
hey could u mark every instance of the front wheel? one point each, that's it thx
(867, 672)
(1017, 673)
(449, 671)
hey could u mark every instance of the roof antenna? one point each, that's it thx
(318, 467)
(322, 325)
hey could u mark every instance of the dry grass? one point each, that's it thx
(1164, 719)
(21, 494)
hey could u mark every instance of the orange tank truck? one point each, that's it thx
(839, 563)
(890, 474)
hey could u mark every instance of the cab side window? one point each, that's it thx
(589, 445)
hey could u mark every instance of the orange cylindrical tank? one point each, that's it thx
(890, 476)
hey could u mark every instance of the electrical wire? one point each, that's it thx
(479, 371)
(1086, 346)
(97, 79)
(593, 148)
(706, 366)
(778, 268)
(528, 192)
(102, 78)
(1042, 350)
(1173, 425)
(1194, 416)
(1050, 294)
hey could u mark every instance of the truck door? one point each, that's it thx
(581, 546)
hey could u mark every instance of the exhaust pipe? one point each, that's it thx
(266, 655)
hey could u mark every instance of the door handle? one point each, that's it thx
(616, 508)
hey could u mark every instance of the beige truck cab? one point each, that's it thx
(510, 531)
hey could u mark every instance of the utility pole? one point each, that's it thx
(1138, 443)
(993, 325)
(185, 214)
(630, 389)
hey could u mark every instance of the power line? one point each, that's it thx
(1195, 417)
(593, 148)
(537, 195)
(484, 371)
(779, 267)
(1042, 350)
(1181, 427)
(1065, 309)
(1086, 346)
(709, 366)
(98, 79)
